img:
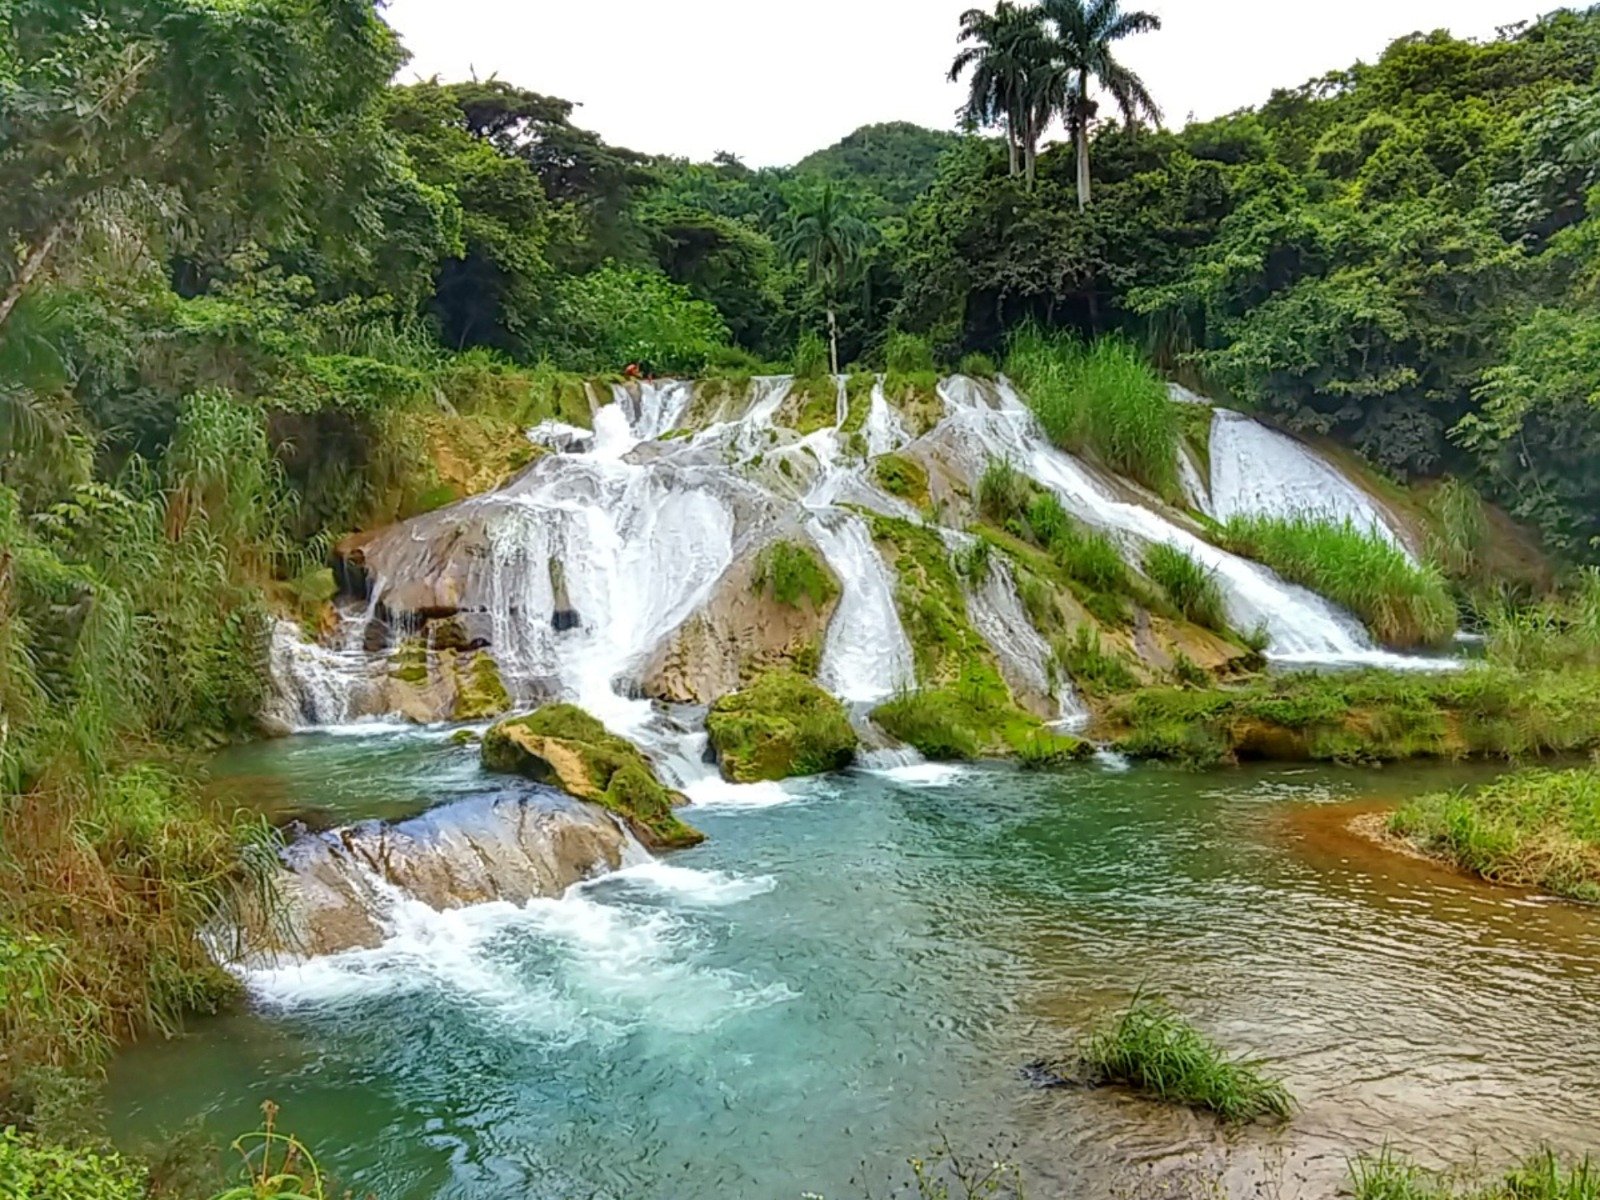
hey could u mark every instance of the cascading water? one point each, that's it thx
(321, 685)
(1025, 657)
(1300, 625)
(1257, 471)
(866, 656)
(885, 432)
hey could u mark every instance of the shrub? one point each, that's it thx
(1153, 1049)
(977, 366)
(974, 562)
(792, 572)
(1191, 587)
(1092, 559)
(908, 354)
(616, 315)
(1103, 397)
(1404, 604)
(1537, 828)
(810, 358)
(35, 1170)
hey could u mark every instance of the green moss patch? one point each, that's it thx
(903, 477)
(562, 745)
(482, 692)
(793, 573)
(811, 404)
(1367, 716)
(781, 725)
(858, 394)
(1536, 828)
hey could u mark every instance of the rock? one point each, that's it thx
(741, 632)
(564, 746)
(781, 726)
(338, 887)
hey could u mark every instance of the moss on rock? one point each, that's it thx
(564, 746)
(482, 692)
(780, 726)
(903, 477)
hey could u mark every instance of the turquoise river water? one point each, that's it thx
(838, 981)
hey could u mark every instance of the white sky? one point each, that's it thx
(772, 82)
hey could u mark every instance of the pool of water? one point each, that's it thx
(833, 983)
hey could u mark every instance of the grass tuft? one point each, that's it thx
(1102, 397)
(1404, 604)
(1536, 829)
(1389, 1175)
(1191, 587)
(793, 573)
(1152, 1048)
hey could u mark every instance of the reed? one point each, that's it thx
(1404, 604)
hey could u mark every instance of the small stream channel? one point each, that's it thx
(846, 976)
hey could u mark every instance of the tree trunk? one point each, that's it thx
(1031, 154)
(1081, 138)
(31, 266)
(1011, 150)
(833, 340)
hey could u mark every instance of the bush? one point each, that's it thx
(1047, 519)
(35, 1170)
(977, 366)
(1105, 398)
(1404, 604)
(1537, 829)
(616, 315)
(810, 358)
(1092, 559)
(792, 572)
(1191, 587)
(908, 354)
(1153, 1049)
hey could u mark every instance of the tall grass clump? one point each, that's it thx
(1389, 1175)
(1102, 397)
(1152, 1048)
(1535, 829)
(1458, 530)
(908, 354)
(793, 572)
(1004, 492)
(1561, 631)
(1404, 604)
(1191, 587)
(810, 357)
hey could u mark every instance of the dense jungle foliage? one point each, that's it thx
(244, 278)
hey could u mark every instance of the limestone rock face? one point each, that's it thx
(742, 631)
(338, 889)
(565, 747)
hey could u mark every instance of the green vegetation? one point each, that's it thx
(781, 725)
(793, 573)
(1367, 716)
(1091, 666)
(974, 717)
(903, 477)
(1101, 398)
(1542, 1176)
(564, 746)
(1404, 604)
(482, 692)
(35, 1170)
(1536, 828)
(1150, 1047)
(1191, 587)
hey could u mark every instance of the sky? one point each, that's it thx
(773, 83)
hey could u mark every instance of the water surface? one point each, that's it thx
(850, 975)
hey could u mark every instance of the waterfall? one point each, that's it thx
(885, 431)
(1257, 471)
(316, 685)
(1025, 658)
(865, 656)
(1300, 625)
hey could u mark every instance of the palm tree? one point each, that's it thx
(1085, 31)
(829, 237)
(1014, 83)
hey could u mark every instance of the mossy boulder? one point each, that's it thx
(481, 692)
(780, 726)
(564, 746)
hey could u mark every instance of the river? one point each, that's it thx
(835, 982)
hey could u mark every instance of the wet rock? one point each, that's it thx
(783, 725)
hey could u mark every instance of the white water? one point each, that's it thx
(1257, 471)
(866, 656)
(884, 430)
(316, 685)
(1300, 626)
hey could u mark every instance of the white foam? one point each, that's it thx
(923, 774)
(687, 884)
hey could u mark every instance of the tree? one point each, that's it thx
(826, 234)
(129, 113)
(1015, 81)
(1084, 33)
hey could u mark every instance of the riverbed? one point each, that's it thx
(844, 978)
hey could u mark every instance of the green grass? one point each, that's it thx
(1091, 666)
(907, 354)
(977, 366)
(810, 357)
(1536, 829)
(974, 718)
(1190, 587)
(31, 1169)
(1389, 1175)
(779, 726)
(1404, 604)
(793, 573)
(1103, 397)
(1153, 1049)
(1364, 716)
(1561, 631)
(1004, 492)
